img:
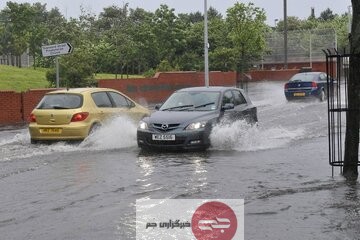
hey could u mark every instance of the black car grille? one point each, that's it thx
(165, 127)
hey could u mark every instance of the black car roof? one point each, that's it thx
(309, 73)
(206, 89)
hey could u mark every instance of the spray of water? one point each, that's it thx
(273, 97)
(19, 147)
(242, 136)
(118, 133)
(20, 136)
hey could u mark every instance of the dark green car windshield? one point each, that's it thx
(192, 101)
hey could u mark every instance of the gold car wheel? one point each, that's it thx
(94, 128)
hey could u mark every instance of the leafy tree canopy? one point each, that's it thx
(122, 40)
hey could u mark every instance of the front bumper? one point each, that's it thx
(187, 140)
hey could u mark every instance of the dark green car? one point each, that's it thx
(186, 118)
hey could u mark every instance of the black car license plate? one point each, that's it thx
(163, 137)
(299, 94)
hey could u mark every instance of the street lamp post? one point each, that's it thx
(349, 18)
(206, 45)
(285, 36)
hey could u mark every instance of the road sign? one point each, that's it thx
(56, 49)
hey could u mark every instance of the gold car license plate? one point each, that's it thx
(50, 130)
(163, 137)
(299, 94)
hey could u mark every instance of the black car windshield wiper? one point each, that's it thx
(204, 105)
(178, 107)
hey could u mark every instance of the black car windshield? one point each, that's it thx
(303, 77)
(60, 101)
(191, 101)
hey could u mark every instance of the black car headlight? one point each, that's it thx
(196, 125)
(143, 125)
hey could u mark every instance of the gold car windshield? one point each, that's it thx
(61, 101)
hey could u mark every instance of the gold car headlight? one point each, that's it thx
(143, 125)
(196, 126)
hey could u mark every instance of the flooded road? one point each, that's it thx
(88, 190)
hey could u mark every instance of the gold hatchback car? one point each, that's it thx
(74, 113)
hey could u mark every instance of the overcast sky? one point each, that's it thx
(273, 8)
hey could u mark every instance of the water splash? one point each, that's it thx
(273, 97)
(242, 136)
(118, 133)
(23, 149)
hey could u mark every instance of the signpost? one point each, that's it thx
(54, 51)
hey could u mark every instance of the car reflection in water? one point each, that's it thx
(186, 118)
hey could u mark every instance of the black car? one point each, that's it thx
(186, 118)
(306, 85)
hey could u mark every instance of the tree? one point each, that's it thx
(143, 40)
(117, 25)
(169, 34)
(5, 35)
(340, 25)
(18, 17)
(351, 156)
(37, 31)
(76, 69)
(191, 18)
(327, 15)
(213, 14)
(124, 40)
(247, 28)
(192, 59)
(293, 23)
(221, 55)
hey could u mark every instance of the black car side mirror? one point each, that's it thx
(228, 106)
(157, 106)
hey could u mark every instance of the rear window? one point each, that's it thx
(304, 77)
(60, 101)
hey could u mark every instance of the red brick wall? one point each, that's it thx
(16, 107)
(277, 72)
(31, 98)
(10, 107)
(272, 75)
(316, 66)
(158, 88)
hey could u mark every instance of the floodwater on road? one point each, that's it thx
(88, 190)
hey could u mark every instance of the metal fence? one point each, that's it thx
(25, 60)
(303, 46)
(337, 85)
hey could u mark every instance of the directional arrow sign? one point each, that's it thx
(56, 49)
